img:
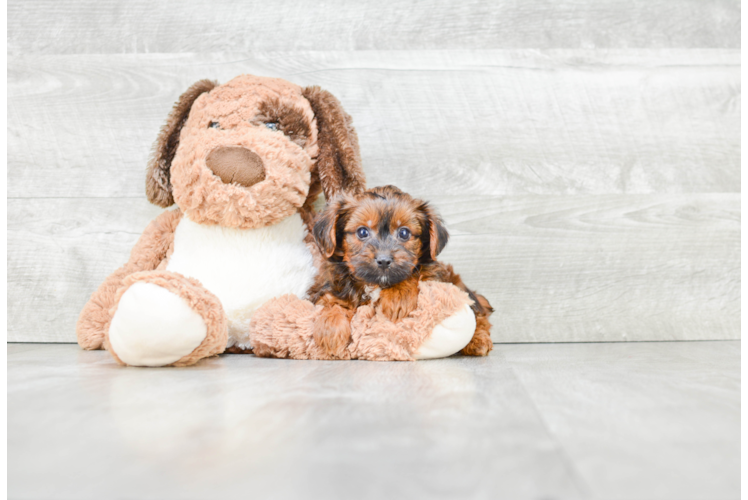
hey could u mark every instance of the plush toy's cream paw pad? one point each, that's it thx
(154, 327)
(449, 336)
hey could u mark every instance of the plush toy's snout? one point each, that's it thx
(236, 164)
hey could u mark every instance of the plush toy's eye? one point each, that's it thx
(403, 233)
(272, 126)
(362, 233)
(214, 125)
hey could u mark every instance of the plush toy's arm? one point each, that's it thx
(440, 326)
(152, 248)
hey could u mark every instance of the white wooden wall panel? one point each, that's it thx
(585, 154)
(601, 268)
(59, 251)
(484, 122)
(142, 26)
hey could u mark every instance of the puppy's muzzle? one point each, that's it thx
(236, 164)
(383, 260)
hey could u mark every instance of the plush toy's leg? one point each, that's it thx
(449, 336)
(94, 319)
(441, 325)
(284, 327)
(163, 318)
(150, 251)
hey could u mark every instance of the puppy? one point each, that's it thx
(377, 247)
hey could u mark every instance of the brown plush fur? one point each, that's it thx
(158, 178)
(339, 156)
(481, 343)
(387, 239)
(376, 338)
(277, 121)
(291, 118)
(148, 254)
(284, 327)
(199, 299)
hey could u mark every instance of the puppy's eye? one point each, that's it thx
(272, 126)
(362, 233)
(214, 125)
(403, 233)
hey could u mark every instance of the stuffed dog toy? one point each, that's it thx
(244, 163)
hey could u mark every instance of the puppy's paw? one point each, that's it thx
(395, 310)
(480, 344)
(332, 331)
(399, 301)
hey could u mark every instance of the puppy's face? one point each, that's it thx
(380, 236)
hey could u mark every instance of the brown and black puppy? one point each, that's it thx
(378, 246)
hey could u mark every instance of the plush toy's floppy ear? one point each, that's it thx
(158, 178)
(328, 224)
(339, 160)
(435, 239)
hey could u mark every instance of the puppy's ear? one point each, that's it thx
(158, 178)
(435, 234)
(339, 160)
(326, 226)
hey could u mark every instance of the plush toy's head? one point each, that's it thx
(253, 151)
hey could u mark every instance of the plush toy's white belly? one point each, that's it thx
(244, 268)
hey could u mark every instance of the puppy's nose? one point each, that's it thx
(236, 164)
(384, 261)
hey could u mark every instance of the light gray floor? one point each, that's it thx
(545, 421)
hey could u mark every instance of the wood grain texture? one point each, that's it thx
(626, 412)
(112, 26)
(644, 421)
(59, 252)
(460, 122)
(743, 104)
(556, 268)
(601, 268)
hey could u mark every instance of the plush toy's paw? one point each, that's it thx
(332, 331)
(162, 318)
(285, 327)
(449, 336)
(94, 319)
(441, 325)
